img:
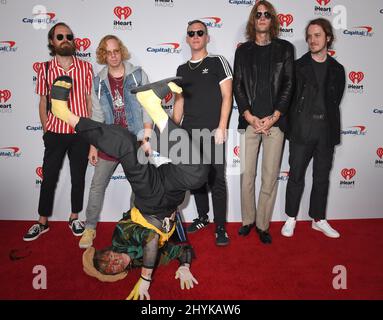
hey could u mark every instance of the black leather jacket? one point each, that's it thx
(300, 113)
(281, 78)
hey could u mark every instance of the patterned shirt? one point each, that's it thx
(81, 73)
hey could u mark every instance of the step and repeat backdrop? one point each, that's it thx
(154, 32)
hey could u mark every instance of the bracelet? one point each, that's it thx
(149, 280)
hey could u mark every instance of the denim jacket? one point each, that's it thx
(102, 110)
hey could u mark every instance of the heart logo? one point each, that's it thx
(348, 173)
(356, 77)
(39, 172)
(82, 43)
(36, 66)
(323, 2)
(236, 151)
(122, 12)
(285, 19)
(379, 152)
(168, 97)
(5, 95)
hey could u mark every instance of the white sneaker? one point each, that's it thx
(288, 227)
(86, 240)
(323, 225)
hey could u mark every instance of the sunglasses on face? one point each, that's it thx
(199, 33)
(60, 36)
(266, 14)
(113, 52)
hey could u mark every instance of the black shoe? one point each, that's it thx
(36, 231)
(222, 239)
(76, 226)
(197, 224)
(264, 236)
(245, 230)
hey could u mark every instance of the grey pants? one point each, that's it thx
(271, 162)
(103, 171)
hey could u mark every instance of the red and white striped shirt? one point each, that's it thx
(82, 74)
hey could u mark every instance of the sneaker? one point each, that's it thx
(76, 226)
(86, 240)
(288, 227)
(35, 231)
(222, 239)
(198, 224)
(323, 225)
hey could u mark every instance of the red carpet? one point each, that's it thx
(296, 268)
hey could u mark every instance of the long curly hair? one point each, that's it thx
(274, 28)
(101, 49)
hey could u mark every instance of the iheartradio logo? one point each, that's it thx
(36, 66)
(82, 43)
(236, 151)
(285, 19)
(122, 12)
(347, 174)
(356, 77)
(39, 172)
(5, 95)
(323, 2)
(379, 152)
(331, 52)
(168, 97)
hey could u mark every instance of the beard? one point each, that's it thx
(66, 49)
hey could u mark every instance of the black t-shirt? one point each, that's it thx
(320, 70)
(202, 92)
(262, 105)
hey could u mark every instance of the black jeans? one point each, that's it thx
(57, 145)
(300, 156)
(217, 184)
(158, 191)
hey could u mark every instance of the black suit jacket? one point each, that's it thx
(301, 110)
(281, 78)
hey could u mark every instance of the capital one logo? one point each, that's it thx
(5, 95)
(212, 22)
(285, 19)
(39, 172)
(122, 12)
(7, 46)
(379, 152)
(347, 174)
(323, 2)
(356, 77)
(10, 44)
(82, 43)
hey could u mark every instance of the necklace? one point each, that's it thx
(193, 68)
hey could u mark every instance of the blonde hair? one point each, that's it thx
(101, 49)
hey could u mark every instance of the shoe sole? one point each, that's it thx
(325, 233)
(194, 231)
(31, 239)
(222, 244)
(75, 234)
(287, 235)
(82, 246)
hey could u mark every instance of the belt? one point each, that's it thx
(318, 116)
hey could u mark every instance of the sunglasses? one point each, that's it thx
(199, 33)
(60, 36)
(266, 14)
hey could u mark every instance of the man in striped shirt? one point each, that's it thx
(205, 104)
(59, 138)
